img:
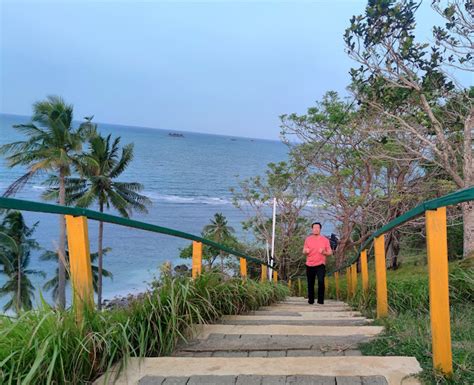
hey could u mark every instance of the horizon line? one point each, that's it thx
(162, 129)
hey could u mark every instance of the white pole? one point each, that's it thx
(272, 262)
(268, 258)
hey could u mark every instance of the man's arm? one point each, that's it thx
(328, 250)
(305, 248)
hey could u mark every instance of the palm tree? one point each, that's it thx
(99, 169)
(52, 284)
(219, 232)
(16, 245)
(51, 146)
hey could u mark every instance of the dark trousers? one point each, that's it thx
(311, 273)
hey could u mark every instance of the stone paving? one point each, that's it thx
(289, 343)
(263, 380)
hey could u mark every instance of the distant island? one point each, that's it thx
(176, 135)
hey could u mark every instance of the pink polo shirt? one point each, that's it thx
(314, 244)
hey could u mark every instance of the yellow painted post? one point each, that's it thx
(80, 264)
(326, 284)
(354, 279)
(289, 285)
(348, 280)
(336, 279)
(299, 287)
(197, 259)
(437, 247)
(264, 275)
(364, 269)
(381, 276)
(275, 276)
(243, 268)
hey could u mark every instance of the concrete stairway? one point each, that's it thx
(289, 343)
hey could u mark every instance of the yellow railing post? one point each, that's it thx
(80, 264)
(348, 280)
(381, 276)
(299, 287)
(364, 270)
(197, 259)
(243, 268)
(264, 275)
(289, 286)
(437, 247)
(354, 279)
(326, 284)
(336, 280)
(275, 276)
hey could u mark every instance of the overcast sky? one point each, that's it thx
(216, 67)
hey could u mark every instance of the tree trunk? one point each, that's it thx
(62, 245)
(392, 249)
(282, 267)
(99, 278)
(344, 241)
(468, 226)
(18, 290)
(468, 171)
(222, 261)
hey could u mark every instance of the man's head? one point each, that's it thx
(316, 228)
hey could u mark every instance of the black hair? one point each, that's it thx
(317, 223)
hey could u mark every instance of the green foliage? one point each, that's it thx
(51, 141)
(16, 244)
(48, 347)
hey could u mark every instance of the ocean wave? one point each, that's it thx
(36, 187)
(207, 200)
(189, 200)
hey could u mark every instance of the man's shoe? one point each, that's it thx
(311, 303)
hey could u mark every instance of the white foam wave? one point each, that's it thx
(41, 188)
(187, 200)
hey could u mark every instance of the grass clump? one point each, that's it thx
(46, 346)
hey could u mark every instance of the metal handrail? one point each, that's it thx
(24, 205)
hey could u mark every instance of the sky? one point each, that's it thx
(221, 67)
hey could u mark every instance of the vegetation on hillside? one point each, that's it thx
(47, 346)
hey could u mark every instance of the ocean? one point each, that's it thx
(188, 180)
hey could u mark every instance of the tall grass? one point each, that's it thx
(48, 347)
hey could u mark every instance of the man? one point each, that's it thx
(316, 248)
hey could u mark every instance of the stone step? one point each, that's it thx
(264, 380)
(203, 331)
(306, 308)
(309, 314)
(305, 299)
(250, 342)
(304, 302)
(315, 322)
(395, 370)
(294, 317)
(324, 352)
